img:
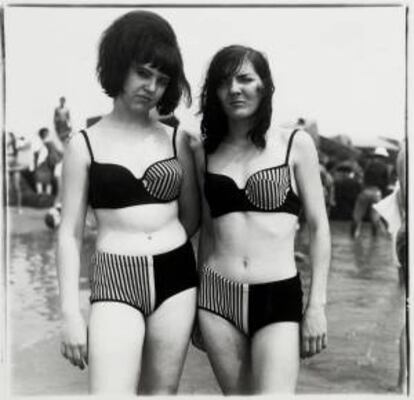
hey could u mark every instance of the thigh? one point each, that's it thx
(275, 358)
(168, 332)
(115, 338)
(228, 350)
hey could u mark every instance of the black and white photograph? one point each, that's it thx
(205, 198)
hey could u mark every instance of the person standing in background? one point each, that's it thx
(402, 255)
(393, 210)
(376, 180)
(62, 120)
(63, 127)
(14, 144)
(46, 157)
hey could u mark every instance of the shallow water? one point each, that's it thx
(364, 315)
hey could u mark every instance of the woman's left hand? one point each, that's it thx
(313, 331)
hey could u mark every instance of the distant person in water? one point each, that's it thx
(46, 157)
(376, 180)
(14, 144)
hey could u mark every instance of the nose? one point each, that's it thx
(234, 86)
(151, 84)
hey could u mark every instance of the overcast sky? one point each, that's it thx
(343, 67)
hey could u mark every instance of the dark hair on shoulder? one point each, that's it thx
(141, 37)
(225, 64)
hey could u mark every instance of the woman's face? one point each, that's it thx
(241, 94)
(144, 87)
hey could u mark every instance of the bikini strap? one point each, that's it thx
(290, 145)
(88, 144)
(174, 140)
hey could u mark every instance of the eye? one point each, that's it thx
(224, 83)
(144, 73)
(245, 78)
(163, 81)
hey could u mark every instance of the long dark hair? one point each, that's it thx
(141, 37)
(225, 64)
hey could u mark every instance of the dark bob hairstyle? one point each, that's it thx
(225, 64)
(141, 37)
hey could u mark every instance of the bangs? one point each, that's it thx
(163, 57)
(229, 66)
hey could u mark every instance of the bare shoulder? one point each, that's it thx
(303, 150)
(94, 131)
(302, 144)
(76, 147)
(303, 141)
(280, 136)
(194, 145)
(76, 140)
(189, 139)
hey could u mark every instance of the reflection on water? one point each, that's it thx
(364, 312)
(33, 284)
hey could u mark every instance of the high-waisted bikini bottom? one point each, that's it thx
(250, 307)
(143, 282)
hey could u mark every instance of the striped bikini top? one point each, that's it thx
(114, 186)
(267, 190)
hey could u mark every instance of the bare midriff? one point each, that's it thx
(254, 247)
(140, 230)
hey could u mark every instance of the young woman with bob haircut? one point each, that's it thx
(138, 177)
(256, 179)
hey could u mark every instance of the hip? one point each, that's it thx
(254, 268)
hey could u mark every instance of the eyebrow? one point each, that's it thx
(153, 70)
(243, 74)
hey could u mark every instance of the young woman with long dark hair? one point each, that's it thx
(256, 178)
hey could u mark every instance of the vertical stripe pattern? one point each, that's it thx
(268, 189)
(127, 279)
(224, 297)
(163, 179)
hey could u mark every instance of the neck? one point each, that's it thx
(123, 116)
(237, 131)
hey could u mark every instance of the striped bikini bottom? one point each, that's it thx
(250, 307)
(143, 282)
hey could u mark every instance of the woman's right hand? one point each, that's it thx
(74, 340)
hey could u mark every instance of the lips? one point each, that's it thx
(143, 98)
(237, 103)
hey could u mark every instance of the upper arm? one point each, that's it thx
(307, 175)
(189, 200)
(75, 182)
(206, 231)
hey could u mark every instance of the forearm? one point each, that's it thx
(68, 260)
(320, 255)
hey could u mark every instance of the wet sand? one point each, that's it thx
(364, 318)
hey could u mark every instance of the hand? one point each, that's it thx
(74, 340)
(313, 331)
